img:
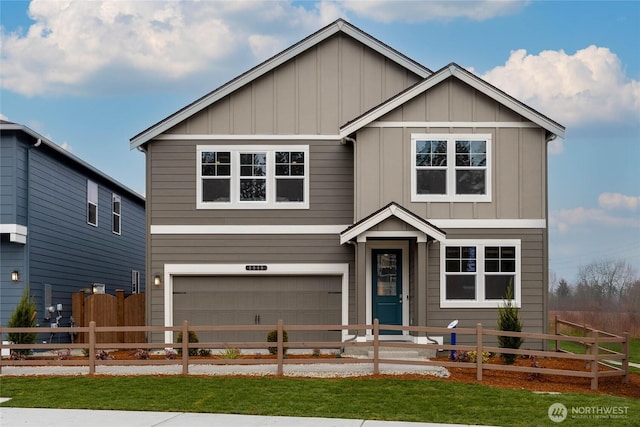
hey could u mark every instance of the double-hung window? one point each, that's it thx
(116, 213)
(451, 167)
(479, 273)
(253, 177)
(92, 203)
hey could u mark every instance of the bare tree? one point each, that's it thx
(605, 280)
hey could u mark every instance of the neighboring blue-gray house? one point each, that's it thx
(64, 225)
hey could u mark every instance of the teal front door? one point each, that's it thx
(387, 287)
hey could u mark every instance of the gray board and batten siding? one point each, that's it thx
(62, 252)
(314, 93)
(383, 157)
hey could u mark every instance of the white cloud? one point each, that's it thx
(555, 147)
(618, 201)
(589, 86)
(81, 47)
(3, 117)
(421, 11)
(566, 219)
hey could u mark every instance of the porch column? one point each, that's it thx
(421, 284)
(361, 283)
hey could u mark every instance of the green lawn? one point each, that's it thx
(383, 399)
(634, 350)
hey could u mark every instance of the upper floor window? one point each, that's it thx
(478, 273)
(92, 203)
(116, 208)
(253, 177)
(451, 167)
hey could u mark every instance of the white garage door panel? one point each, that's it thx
(241, 300)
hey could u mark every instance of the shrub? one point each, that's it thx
(24, 316)
(204, 352)
(316, 352)
(273, 337)
(230, 353)
(508, 320)
(63, 354)
(193, 338)
(170, 354)
(103, 355)
(141, 353)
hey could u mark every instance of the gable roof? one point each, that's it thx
(395, 210)
(10, 126)
(453, 70)
(338, 26)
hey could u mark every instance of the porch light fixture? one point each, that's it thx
(15, 276)
(157, 280)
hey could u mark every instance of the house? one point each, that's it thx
(65, 226)
(339, 182)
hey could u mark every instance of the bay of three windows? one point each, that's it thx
(253, 177)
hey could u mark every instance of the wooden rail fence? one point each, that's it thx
(593, 358)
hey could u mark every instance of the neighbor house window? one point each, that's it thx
(479, 273)
(451, 167)
(135, 282)
(116, 208)
(253, 177)
(92, 203)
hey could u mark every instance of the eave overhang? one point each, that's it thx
(392, 210)
(454, 70)
(267, 66)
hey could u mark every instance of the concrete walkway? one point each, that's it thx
(10, 417)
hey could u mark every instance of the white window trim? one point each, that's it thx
(480, 302)
(114, 196)
(451, 168)
(89, 202)
(235, 203)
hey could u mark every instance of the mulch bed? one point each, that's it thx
(502, 379)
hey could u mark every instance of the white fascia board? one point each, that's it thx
(246, 229)
(18, 233)
(383, 215)
(392, 124)
(394, 103)
(266, 67)
(245, 137)
(500, 97)
(472, 81)
(489, 223)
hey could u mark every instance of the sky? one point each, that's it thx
(89, 75)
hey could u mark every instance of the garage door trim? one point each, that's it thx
(171, 270)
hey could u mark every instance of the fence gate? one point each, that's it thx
(109, 310)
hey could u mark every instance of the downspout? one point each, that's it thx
(426, 296)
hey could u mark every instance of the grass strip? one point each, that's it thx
(372, 399)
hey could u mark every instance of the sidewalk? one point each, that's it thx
(10, 417)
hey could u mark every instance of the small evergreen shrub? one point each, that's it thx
(273, 337)
(24, 316)
(141, 354)
(193, 338)
(508, 320)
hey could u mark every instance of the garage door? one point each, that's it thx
(249, 300)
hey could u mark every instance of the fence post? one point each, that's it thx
(92, 347)
(280, 348)
(376, 346)
(479, 351)
(185, 347)
(120, 313)
(595, 366)
(555, 331)
(625, 361)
